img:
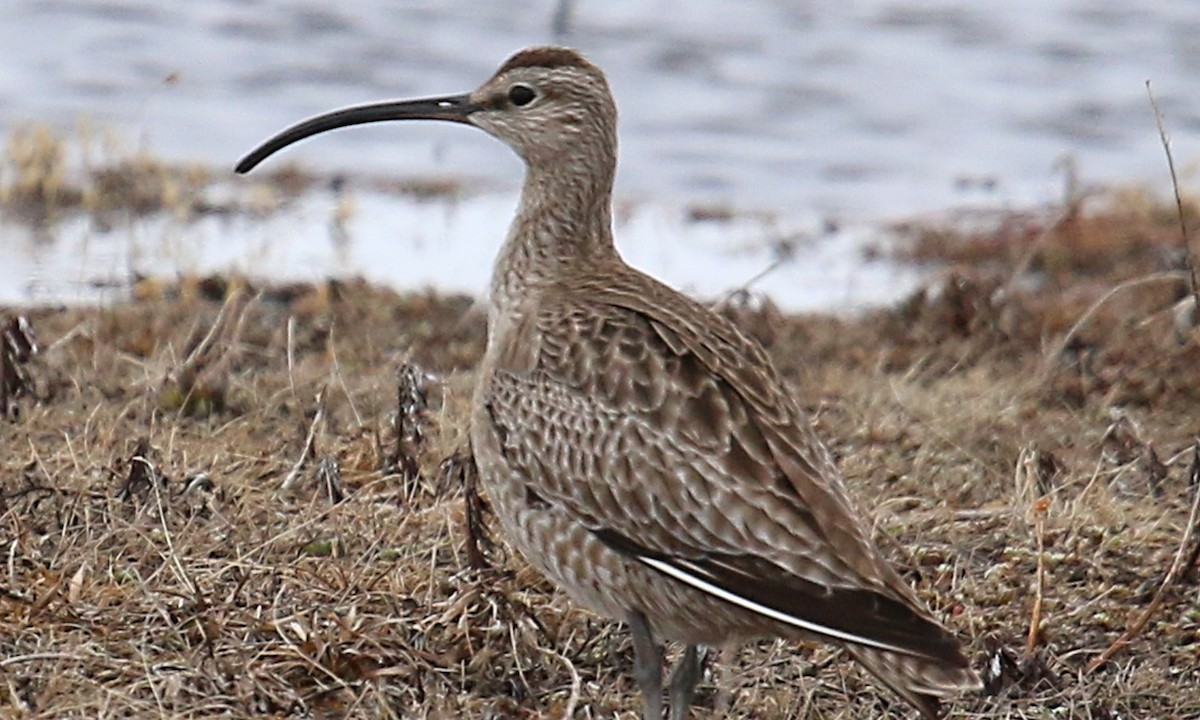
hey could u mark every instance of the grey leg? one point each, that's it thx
(647, 666)
(684, 678)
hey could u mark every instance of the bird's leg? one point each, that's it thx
(647, 665)
(684, 678)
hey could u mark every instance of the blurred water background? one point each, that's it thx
(816, 121)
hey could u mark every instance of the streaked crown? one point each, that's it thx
(551, 105)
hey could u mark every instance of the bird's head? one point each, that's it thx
(550, 104)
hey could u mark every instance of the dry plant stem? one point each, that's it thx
(182, 572)
(35, 657)
(291, 353)
(1061, 345)
(194, 356)
(1183, 232)
(1031, 252)
(1194, 483)
(1177, 564)
(1035, 616)
(576, 684)
(775, 264)
(232, 345)
(309, 443)
(17, 346)
(337, 372)
(5, 371)
(1190, 564)
(476, 528)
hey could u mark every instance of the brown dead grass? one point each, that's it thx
(154, 566)
(1123, 231)
(46, 176)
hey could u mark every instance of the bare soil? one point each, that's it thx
(226, 499)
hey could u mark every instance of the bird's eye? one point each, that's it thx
(521, 95)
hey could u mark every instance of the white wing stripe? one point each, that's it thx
(720, 592)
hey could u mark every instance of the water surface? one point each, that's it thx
(807, 110)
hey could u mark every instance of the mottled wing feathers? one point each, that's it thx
(796, 457)
(666, 432)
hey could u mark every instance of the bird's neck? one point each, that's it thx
(564, 223)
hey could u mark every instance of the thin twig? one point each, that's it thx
(1194, 483)
(337, 372)
(1035, 615)
(34, 657)
(1176, 565)
(785, 252)
(188, 364)
(291, 353)
(463, 465)
(1183, 231)
(1062, 344)
(309, 443)
(1190, 564)
(576, 684)
(172, 555)
(1026, 260)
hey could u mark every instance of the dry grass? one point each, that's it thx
(1126, 231)
(46, 176)
(154, 565)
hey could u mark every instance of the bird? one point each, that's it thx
(639, 449)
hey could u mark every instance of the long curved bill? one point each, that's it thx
(455, 108)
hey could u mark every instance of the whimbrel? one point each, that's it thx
(637, 448)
